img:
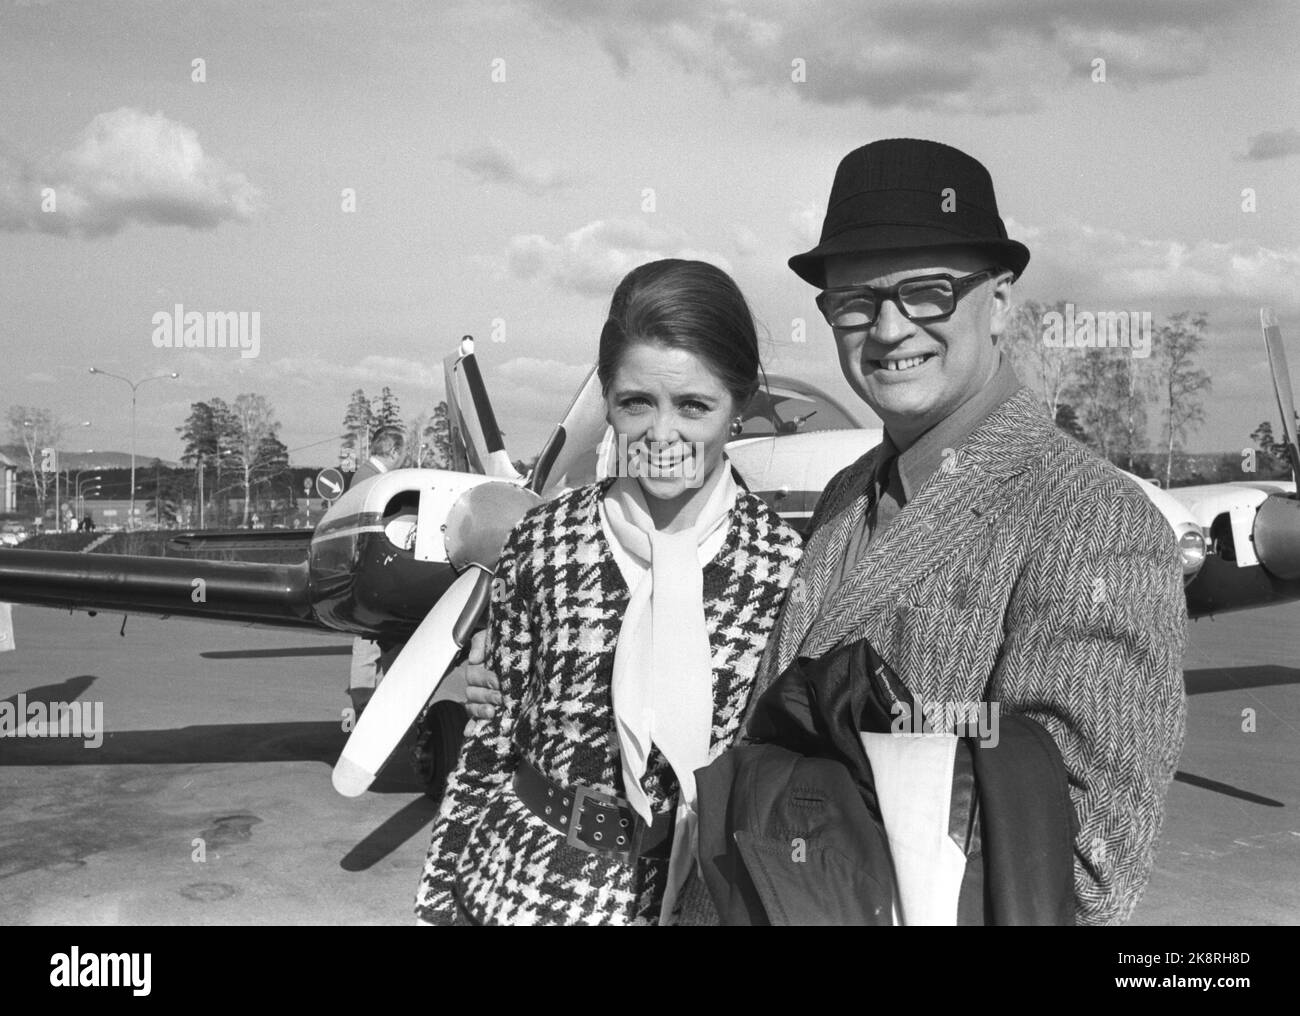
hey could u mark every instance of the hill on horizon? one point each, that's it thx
(89, 460)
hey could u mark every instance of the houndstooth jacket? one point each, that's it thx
(557, 606)
(1029, 571)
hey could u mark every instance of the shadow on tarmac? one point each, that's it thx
(207, 744)
(1227, 790)
(323, 741)
(1212, 679)
(413, 820)
(46, 694)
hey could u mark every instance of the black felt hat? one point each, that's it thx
(909, 194)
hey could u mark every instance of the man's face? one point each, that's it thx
(958, 355)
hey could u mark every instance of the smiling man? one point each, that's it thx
(976, 557)
(976, 563)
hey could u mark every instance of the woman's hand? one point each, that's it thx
(482, 689)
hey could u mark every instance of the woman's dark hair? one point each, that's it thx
(687, 305)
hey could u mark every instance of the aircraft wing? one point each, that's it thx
(275, 595)
(242, 540)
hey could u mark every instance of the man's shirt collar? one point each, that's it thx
(925, 455)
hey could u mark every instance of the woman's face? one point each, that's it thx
(671, 417)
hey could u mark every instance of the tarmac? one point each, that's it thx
(209, 800)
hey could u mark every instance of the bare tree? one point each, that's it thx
(1099, 398)
(1048, 370)
(1135, 388)
(34, 429)
(1181, 381)
(428, 439)
(255, 425)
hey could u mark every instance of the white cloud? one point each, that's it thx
(807, 224)
(996, 56)
(529, 370)
(127, 167)
(1160, 53)
(1081, 262)
(592, 259)
(745, 241)
(1273, 145)
(368, 372)
(490, 163)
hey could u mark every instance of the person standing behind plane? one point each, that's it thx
(371, 657)
(627, 620)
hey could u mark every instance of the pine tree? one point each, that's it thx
(357, 424)
(1181, 381)
(387, 418)
(273, 477)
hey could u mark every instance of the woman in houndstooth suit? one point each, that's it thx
(627, 623)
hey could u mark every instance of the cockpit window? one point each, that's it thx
(782, 409)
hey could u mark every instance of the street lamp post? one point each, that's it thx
(93, 488)
(80, 504)
(130, 519)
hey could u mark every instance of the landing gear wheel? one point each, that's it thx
(439, 733)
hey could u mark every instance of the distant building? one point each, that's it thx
(109, 512)
(8, 484)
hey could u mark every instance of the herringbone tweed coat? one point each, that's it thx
(1029, 571)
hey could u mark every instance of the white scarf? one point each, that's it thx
(663, 664)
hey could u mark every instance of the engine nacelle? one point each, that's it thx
(1277, 536)
(392, 545)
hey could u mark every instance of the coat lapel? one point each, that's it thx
(822, 553)
(951, 509)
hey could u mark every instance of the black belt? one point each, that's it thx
(591, 820)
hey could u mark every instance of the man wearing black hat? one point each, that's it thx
(980, 560)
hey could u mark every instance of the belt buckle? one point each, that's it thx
(580, 795)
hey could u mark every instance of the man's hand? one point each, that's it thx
(482, 689)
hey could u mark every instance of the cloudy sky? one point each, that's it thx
(510, 161)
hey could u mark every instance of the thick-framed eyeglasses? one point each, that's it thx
(922, 299)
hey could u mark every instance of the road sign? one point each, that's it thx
(329, 484)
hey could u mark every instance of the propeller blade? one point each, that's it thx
(411, 682)
(1281, 387)
(569, 455)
